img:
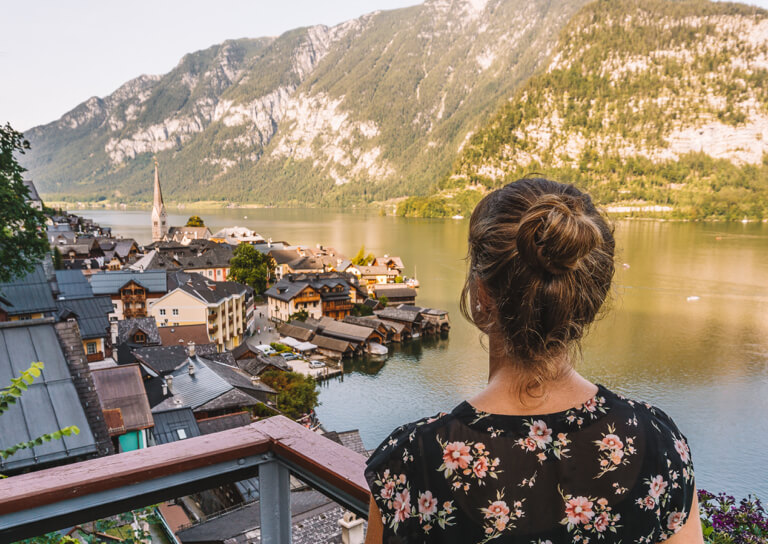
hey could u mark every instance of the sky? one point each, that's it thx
(56, 54)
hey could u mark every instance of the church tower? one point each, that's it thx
(159, 217)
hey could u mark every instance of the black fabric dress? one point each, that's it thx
(613, 470)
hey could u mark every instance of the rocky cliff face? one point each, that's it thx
(373, 108)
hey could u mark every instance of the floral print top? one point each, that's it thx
(613, 470)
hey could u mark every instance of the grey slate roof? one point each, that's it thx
(28, 294)
(168, 423)
(291, 285)
(344, 331)
(73, 284)
(294, 331)
(202, 288)
(392, 290)
(396, 314)
(92, 315)
(161, 359)
(420, 310)
(110, 282)
(222, 423)
(128, 327)
(50, 403)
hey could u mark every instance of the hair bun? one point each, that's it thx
(554, 234)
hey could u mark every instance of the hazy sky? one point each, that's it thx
(55, 54)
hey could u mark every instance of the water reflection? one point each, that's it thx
(705, 362)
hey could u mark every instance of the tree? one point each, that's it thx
(23, 242)
(361, 259)
(301, 315)
(251, 267)
(296, 393)
(195, 221)
(56, 258)
(383, 300)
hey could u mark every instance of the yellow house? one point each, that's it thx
(193, 299)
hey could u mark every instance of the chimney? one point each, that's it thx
(165, 389)
(169, 384)
(191, 349)
(191, 369)
(351, 529)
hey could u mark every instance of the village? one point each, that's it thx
(145, 345)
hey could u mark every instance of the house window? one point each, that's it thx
(162, 311)
(176, 324)
(218, 273)
(90, 347)
(139, 338)
(175, 311)
(114, 304)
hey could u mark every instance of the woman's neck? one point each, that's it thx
(509, 388)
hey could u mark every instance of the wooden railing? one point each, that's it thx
(48, 500)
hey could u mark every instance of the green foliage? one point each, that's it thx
(280, 348)
(361, 259)
(119, 526)
(384, 301)
(361, 310)
(614, 112)
(22, 228)
(301, 315)
(399, 279)
(251, 267)
(195, 221)
(297, 394)
(56, 258)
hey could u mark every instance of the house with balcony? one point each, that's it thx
(193, 299)
(330, 294)
(131, 291)
(92, 316)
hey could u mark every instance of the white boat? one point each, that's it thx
(457, 216)
(692, 298)
(374, 348)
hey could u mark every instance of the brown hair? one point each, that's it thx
(540, 267)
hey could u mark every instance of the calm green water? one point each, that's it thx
(704, 362)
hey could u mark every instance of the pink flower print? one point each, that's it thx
(590, 405)
(497, 509)
(480, 468)
(658, 485)
(542, 456)
(456, 455)
(540, 433)
(616, 456)
(402, 505)
(601, 522)
(602, 502)
(529, 444)
(388, 490)
(611, 442)
(675, 521)
(579, 510)
(448, 506)
(427, 504)
(649, 502)
(682, 449)
(479, 446)
(501, 523)
(402, 479)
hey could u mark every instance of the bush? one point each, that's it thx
(296, 393)
(725, 523)
(280, 348)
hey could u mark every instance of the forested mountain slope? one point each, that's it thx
(374, 108)
(657, 107)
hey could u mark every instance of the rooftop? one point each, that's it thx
(110, 282)
(28, 294)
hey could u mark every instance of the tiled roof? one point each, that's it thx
(110, 282)
(204, 289)
(222, 423)
(161, 359)
(293, 331)
(174, 424)
(396, 314)
(28, 294)
(92, 315)
(122, 387)
(51, 401)
(182, 335)
(325, 342)
(344, 331)
(391, 290)
(128, 327)
(73, 284)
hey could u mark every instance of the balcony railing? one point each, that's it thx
(48, 500)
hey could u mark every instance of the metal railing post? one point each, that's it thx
(275, 499)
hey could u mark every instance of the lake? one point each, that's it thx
(703, 361)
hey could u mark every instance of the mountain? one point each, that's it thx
(371, 109)
(656, 107)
